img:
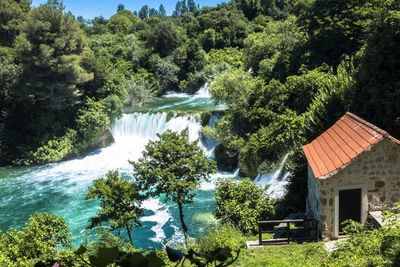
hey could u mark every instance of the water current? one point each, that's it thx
(60, 188)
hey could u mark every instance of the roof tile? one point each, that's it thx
(342, 143)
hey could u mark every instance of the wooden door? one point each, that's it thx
(349, 206)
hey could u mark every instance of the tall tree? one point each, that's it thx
(164, 38)
(122, 21)
(120, 7)
(119, 201)
(174, 166)
(152, 12)
(50, 48)
(144, 12)
(161, 10)
(192, 6)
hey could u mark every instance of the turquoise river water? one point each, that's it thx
(60, 188)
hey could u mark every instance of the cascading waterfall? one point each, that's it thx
(203, 91)
(60, 188)
(276, 180)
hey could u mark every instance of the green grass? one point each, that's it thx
(308, 254)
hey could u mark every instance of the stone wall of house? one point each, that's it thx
(378, 169)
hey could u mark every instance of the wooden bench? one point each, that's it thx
(309, 225)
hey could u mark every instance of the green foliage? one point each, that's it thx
(277, 9)
(224, 236)
(140, 87)
(119, 202)
(336, 28)
(164, 38)
(271, 142)
(233, 85)
(51, 57)
(12, 15)
(122, 21)
(226, 159)
(190, 58)
(165, 71)
(230, 55)
(91, 122)
(242, 203)
(45, 237)
(55, 150)
(273, 52)
(219, 27)
(173, 166)
(113, 255)
(377, 81)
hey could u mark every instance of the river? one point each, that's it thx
(60, 188)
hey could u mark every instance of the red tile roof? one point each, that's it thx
(342, 143)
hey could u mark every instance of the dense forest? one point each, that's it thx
(285, 69)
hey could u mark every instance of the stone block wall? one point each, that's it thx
(376, 170)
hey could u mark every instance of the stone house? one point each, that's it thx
(353, 169)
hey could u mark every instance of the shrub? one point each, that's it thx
(224, 236)
(45, 237)
(242, 203)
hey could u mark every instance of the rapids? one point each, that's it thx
(60, 188)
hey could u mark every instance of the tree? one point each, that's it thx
(144, 12)
(180, 9)
(119, 201)
(12, 14)
(192, 6)
(164, 38)
(152, 12)
(161, 10)
(190, 58)
(50, 48)
(120, 7)
(242, 203)
(377, 93)
(122, 21)
(335, 27)
(174, 166)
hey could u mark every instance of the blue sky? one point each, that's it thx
(106, 8)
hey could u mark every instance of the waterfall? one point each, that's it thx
(60, 188)
(276, 180)
(148, 125)
(203, 91)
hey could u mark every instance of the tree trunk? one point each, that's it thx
(184, 227)
(129, 234)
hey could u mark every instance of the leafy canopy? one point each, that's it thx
(119, 201)
(173, 166)
(242, 203)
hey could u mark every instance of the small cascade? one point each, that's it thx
(174, 94)
(203, 91)
(276, 180)
(148, 125)
(210, 143)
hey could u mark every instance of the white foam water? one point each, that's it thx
(276, 180)
(203, 92)
(161, 216)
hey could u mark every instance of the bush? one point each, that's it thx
(242, 203)
(224, 236)
(55, 150)
(44, 238)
